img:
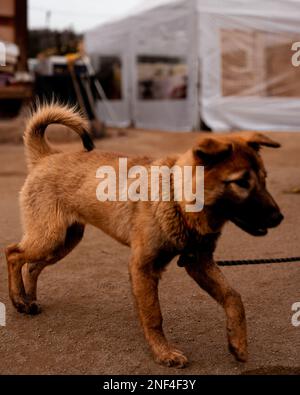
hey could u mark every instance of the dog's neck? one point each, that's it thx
(199, 225)
(189, 231)
(187, 228)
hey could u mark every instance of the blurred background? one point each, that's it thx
(174, 65)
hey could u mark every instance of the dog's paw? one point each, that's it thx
(31, 308)
(240, 353)
(172, 358)
(20, 306)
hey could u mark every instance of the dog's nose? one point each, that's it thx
(275, 219)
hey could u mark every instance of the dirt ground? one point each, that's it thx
(89, 325)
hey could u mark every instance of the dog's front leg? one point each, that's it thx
(208, 275)
(145, 278)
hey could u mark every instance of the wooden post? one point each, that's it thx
(21, 33)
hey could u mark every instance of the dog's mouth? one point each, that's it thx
(251, 229)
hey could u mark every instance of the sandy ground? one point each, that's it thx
(89, 325)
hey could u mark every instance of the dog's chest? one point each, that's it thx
(194, 245)
(198, 245)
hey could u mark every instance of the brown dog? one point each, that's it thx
(59, 199)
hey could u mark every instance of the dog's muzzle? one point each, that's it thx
(259, 229)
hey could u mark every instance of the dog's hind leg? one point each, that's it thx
(15, 260)
(145, 274)
(31, 271)
(41, 247)
(208, 275)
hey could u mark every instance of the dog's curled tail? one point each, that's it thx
(36, 145)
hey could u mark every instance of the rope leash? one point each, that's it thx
(183, 261)
(243, 262)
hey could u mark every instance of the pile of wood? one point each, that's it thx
(15, 83)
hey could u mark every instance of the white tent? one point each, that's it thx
(236, 54)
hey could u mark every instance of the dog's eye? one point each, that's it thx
(242, 183)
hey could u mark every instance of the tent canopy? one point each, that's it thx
(227, 62)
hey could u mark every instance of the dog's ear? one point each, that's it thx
(255, 140)
(211, 150)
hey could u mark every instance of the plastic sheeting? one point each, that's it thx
(241, 51)
(248, 80)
